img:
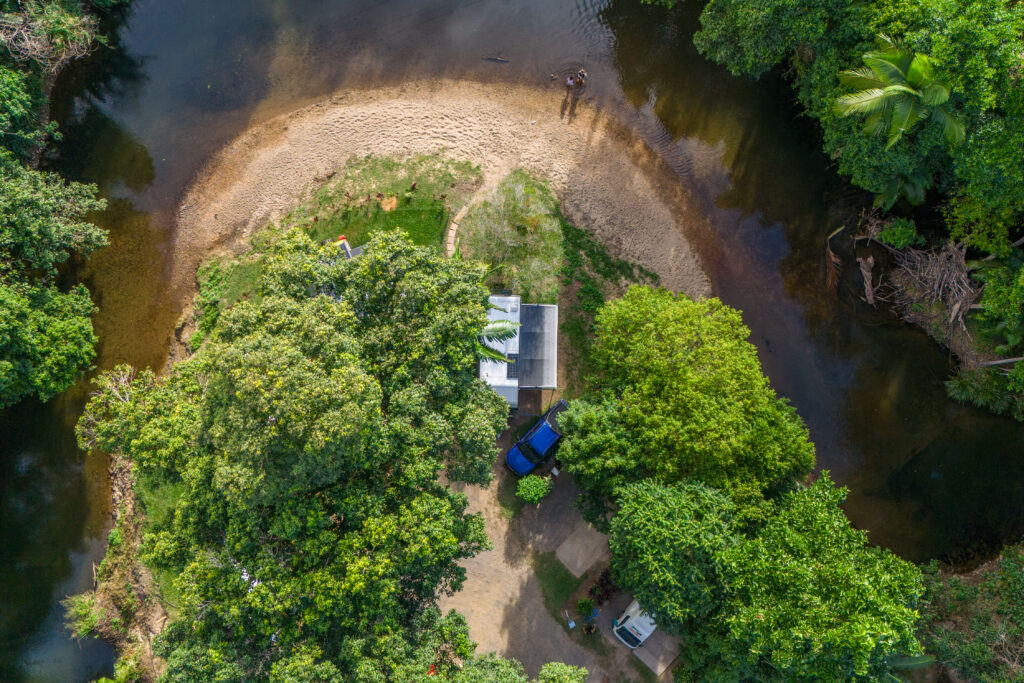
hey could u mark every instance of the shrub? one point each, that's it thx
(900, 233)
(532, 488)
(585, 606)
(83, 615)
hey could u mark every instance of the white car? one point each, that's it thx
(633, 626)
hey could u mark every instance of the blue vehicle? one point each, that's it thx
(537, 445)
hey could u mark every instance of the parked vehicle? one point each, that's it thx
(633, 626)
(538, 445)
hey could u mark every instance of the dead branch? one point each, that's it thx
(866, 265)
(833, 264)
(30, 35)
(937, 275)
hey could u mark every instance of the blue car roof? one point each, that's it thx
(518, 462)
(543, 439)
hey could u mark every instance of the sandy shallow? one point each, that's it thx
(607, 180)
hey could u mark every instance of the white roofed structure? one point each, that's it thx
(533, 351)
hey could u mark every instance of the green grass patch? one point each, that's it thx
(83, 615)
(557, 584)
(511, 505)
(590, 275)
(516, 232)
(423, 219)
(373, 194)
(533, 251)
(646, 675)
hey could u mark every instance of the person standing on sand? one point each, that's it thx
(581, 76)
(569, 82)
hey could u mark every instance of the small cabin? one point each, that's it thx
(532, 352)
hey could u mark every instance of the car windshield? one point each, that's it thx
(527, 450)
(630, 639)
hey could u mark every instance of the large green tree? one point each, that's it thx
(809, 599)
(46, 336)
(291, 468)
(665, 542)
(678, 394)
(804, 598)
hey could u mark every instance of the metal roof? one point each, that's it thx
(538, 346)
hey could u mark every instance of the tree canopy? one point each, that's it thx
(809, 599)
(678, 394)
(46, 335)
(803, 598)
(291, 465)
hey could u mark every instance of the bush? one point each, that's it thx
(900, 233)
(585, 606)
(532, 488)
(83, 615)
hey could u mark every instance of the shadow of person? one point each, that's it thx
(572, 105)
(565, 105)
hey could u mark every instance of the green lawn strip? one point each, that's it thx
(557, 584)
(511, 505)
(424, 219)
(589, 276)
(516, 232)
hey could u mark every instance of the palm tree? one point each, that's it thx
(496, 330)
(896, 90)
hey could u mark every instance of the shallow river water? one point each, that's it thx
(928, 478)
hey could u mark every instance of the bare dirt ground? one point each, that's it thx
(502, 599)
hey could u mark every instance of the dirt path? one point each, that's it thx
(502, 599)
(605, 178)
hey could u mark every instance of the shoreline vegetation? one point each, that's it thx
(47, 341)
(242, 474)
(921, 105)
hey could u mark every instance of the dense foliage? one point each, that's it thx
(678, 394)
(292, 465)
(938, 85)
(808, 598)
(803, 598)
(975, 623)
(693, 462)
(665, 542)
(46, 335)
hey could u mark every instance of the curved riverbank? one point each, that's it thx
(605, 177)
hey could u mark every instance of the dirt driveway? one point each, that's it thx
(503, 598)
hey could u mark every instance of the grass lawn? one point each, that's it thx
(373, 194)
(424, 219)
(557, 584)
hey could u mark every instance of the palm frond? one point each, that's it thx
(487, 353)
(499, 330)
(904, 116)
(952, 127)
(861, 79)
(875, 124)
(867, 101)
(888, 71)
(934, 94)
(919, 73)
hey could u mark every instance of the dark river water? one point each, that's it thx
(928, 478)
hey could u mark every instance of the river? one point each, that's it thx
(928, 478)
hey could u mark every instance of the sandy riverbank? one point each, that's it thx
(607, 180)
